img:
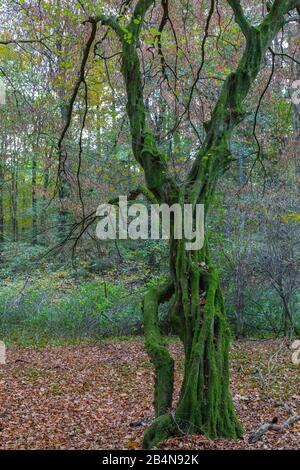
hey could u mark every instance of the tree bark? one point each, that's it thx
(14, 199)
(34, 198)
(64, 189)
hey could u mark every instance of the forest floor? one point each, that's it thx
(100, 396)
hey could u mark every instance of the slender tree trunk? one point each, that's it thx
(296, 129)
(63, 182)
(14, 200)
(289, 325)
(64, 191)
(242, 181)
(239, 304)
(34, 199)
(46, 179)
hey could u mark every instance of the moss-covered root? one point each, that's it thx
(161, 429)
(157, 349)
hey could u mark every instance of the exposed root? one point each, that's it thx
(161, 429)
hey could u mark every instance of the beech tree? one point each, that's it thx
(196, 306)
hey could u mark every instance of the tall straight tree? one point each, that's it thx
(196, 308)
(34, 196)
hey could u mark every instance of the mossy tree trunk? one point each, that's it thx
(198, 317)
(196, 308)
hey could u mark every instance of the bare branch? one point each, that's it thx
(273, 426)
(24, 41)
(80, 80)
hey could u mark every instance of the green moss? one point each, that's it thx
(160, 430)
(157, 348)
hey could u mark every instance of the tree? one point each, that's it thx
(278, 263)
(196, 308)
